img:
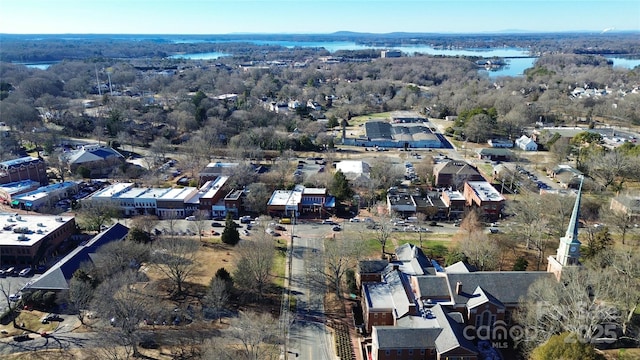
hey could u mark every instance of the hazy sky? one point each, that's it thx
(313, 16)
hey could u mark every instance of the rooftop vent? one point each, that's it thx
(59, 218)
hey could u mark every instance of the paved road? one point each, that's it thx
(309, 337)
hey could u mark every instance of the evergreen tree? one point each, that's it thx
(230, 235)
(340, 187)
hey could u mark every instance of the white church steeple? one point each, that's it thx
(569, 249)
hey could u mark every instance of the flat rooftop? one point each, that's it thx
(44, 191)
(112, 190)
(211, 188)
(285, 198)
(18, 161)
(485, 191)
(15, 187)
(34, 228)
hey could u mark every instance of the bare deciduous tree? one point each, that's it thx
(118, 256)
(253, 271)
(383, 229)
(482, 251)
(127, 302)
(250, 336)
(579, 303)
(177, 259)
(339, 256)
(217, 297)
(80, 297)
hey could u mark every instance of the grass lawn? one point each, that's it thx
(32, 321)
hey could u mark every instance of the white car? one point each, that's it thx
(190, 218)
(354, 220)
(25, 272)
(15, 297)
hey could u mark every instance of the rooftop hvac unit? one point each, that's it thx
(59, 218)
(22, 237)
(18, 217)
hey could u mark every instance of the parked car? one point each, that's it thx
(216, 224)
(336, 228)
(328, 222)
(354, 220)
(245, 219)
(280, 228)
(51, 317)
(25, 272)
(15, 297)
(190, 218)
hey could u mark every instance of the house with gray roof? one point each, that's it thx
(628, 204)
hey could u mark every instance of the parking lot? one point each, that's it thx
(12, 285)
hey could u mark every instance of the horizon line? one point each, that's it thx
(340, 32)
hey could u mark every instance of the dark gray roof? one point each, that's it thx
(455, 167)
(58, 276)
(452, 336)
(433, 286)
(378, 130)
(495, 151)
(393, 337)
(630, 201)
(507, 286)
(372, 266)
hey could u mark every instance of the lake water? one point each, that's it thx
(517, 59)
(199, 56)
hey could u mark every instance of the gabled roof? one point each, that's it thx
(460, 267)
(452, 336)
(508, 286)
(91, 153)
(432, 286)
(495, 151)
(413, 260)
(372, 266)
(455, 167)
(480, 297)
(394, 337)
(58, 276)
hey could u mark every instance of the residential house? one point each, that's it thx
(627, 204)
(500, 143)
(567, 176)
(526, 143)
(495, 154)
